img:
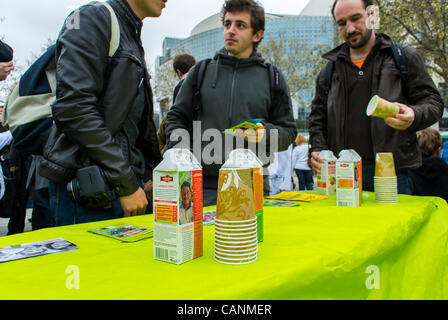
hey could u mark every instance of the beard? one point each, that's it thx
(362, 41)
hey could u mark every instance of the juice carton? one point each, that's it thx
(246, 159)
(177, 203)
(326, 179)
(348, 179)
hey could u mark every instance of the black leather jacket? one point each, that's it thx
(94, 96)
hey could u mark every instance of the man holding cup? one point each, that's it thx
(363, 67)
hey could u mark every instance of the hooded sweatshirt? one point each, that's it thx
(431, 179)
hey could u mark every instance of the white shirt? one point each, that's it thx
(300, 157)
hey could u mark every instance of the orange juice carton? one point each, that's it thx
(326, 179)
(177, 203)
(247, 159)
(348, 179)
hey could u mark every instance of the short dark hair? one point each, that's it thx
(429, 142)
(367, 3)
(186, 184)
(183, 62)
(256, 10)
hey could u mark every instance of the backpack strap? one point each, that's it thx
(274, 82)
(198, 79)
(400, 62)
(115, 30)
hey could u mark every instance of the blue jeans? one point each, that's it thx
(305, 179)
(65, 211)
(404, 182)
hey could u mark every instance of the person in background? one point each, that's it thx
(431, 179)
(300, 162)
(103, 115)
(235, 88)
(182, 63)
(364, 66)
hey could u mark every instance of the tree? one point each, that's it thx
(298, 62)
(164, 83)
(422, 24)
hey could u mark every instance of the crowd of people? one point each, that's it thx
(102, 115)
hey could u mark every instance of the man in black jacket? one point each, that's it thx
(235, 89)
(363, 67)
(102, 114)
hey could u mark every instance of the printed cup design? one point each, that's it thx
(381, 108)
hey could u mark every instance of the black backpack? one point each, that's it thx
(200, 69)
(400, 62)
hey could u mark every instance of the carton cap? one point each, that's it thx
(327, 155)
(242, 158)
(349, 155)
(177, 159)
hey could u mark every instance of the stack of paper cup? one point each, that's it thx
(236, 241)
(385, 179)
(236, 237)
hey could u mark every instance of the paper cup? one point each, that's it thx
(242, 238)
(235, 235)
(235, 222)
(381, 108)
(233, 251)
(236, 243)
(235, 261)
(249, 247)
(236, 230)
(236, 255)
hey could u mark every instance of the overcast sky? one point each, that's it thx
(27, 24)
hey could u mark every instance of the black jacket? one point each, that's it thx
(93, 99)
(431, 179)
(327, 125)
(234, 90)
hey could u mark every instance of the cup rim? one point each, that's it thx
(243, 262)
(243, 242)
(254, 228)
(236, 221)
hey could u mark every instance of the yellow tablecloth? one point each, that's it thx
(314, 251)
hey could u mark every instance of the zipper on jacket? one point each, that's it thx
(232, 93)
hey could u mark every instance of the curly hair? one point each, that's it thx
(256, 10)
(429, 142)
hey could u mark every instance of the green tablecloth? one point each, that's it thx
(314, 251)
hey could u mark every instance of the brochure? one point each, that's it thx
(35, 249)
(126, 233)
(269, 203)
(297, 196)
(249, 124)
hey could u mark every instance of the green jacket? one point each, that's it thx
(234, 90)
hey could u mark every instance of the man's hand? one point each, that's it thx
(316, 162)
(147, 187)
(5, 69)
(404, 118)
(251, 135)
(134, 204)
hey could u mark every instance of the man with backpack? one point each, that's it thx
(103, 145)
(369, 64)
(235, 87)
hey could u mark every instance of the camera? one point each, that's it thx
(90, 189)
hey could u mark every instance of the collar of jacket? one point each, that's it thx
(223, 56)
(385, 42)
(123, 9)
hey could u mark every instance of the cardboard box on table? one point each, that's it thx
(326, 179)
(348, 179)
(178, 231)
